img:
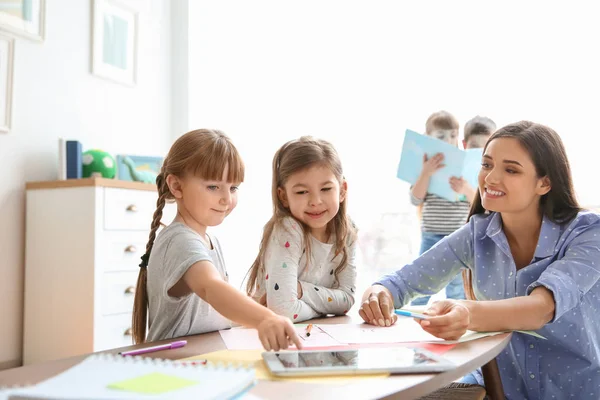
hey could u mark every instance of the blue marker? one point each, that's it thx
(411, 314)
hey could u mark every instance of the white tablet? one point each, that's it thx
(393, 360)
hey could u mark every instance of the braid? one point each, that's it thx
(140, 304)
(163, 193)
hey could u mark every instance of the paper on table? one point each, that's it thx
(247, 339)
(405, 330)
(421, 309)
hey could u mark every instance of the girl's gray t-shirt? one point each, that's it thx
(176, 249)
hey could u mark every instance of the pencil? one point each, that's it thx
(308, 328)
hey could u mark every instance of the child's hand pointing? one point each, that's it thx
(277, 333)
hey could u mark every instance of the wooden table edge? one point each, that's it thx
(213, 342)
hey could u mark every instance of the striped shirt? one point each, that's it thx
(441, 216)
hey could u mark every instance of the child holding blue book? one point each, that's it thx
(439, 217)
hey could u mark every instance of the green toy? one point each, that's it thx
(139, 175)
(98, 163)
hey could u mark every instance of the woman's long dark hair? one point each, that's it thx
(549, 157)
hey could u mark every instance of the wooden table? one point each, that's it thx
(467, 357)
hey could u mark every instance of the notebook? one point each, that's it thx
(110, 376)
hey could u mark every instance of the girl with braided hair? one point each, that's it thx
(182, 286)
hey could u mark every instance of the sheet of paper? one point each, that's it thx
(405, 330)
(247, 339)
(436, 348)
(533, 333)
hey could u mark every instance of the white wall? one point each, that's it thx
(359, 73)
(55, 95)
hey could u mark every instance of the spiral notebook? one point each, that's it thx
(109, 376)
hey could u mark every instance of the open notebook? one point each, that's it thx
(108, 376)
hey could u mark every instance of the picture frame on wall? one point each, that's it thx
(24, 18)
(114, 41)
(7, 50)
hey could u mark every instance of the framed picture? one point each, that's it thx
(114, 41)
(7, 48)
(138, 168)
(23, 17)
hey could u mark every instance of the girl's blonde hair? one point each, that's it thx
(204, 153)
(295, 156)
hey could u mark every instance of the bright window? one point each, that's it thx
(360, 73)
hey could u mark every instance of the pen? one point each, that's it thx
(405, 313)
(174, 345)
(308, 328)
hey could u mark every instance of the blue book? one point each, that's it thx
(459, 163)
(73, 159)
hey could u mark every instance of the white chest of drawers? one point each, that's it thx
(84, 240)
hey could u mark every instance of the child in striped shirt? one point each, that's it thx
(439, 217)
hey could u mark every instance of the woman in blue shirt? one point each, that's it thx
(533, 258)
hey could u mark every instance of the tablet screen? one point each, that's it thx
(370, 358)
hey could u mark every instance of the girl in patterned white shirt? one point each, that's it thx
(306, 264)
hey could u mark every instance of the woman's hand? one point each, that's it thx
(277, 333)
(377, 307)
(449, 319)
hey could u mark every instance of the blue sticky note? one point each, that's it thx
(411, 163)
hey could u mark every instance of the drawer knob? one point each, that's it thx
(132, 208)
(130, 290)
(128, 332)
(130, 249)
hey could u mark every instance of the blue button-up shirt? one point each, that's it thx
(566, 262)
